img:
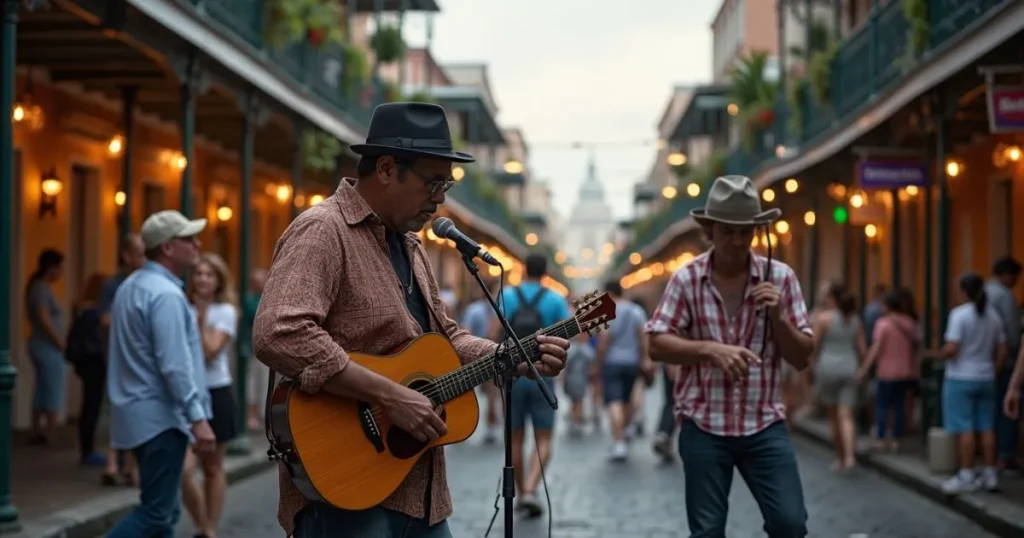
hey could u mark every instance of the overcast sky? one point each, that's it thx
(566, 70)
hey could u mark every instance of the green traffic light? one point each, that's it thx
(840, 215)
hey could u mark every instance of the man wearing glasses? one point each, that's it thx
(349, 274)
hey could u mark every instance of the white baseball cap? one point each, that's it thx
(163, 226)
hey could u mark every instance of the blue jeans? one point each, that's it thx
(319, 520)
(891, 395)
(160, 461)
(1007, 429)
(768, 466)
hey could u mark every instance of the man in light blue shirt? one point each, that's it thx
(156, 376)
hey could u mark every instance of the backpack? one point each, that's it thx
(527, 320)
(84, 340)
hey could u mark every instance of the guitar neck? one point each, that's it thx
(466, 378)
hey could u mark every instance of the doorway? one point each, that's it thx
(1000, 217)
(84, 222)
(154, 198)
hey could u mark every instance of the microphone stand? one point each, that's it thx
(508, 483)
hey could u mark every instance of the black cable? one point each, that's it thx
(767, 278)
(500, 381)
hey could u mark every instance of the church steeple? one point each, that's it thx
(591, 188)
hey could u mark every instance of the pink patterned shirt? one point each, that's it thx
(692, 308)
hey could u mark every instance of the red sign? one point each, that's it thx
(1006, 109)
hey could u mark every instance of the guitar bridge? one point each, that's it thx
(370, 428)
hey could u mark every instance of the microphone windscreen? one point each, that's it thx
(442, 226)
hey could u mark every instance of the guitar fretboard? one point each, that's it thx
(464, 379)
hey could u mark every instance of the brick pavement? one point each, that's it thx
(593, 499)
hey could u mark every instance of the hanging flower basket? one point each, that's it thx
(387, 44)
(292, 21)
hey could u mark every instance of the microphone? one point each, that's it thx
(444, 227)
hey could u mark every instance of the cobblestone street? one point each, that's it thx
(592, 498)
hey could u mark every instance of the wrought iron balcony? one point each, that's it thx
(322, 71)
(861, 69)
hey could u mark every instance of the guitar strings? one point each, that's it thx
(451, 380)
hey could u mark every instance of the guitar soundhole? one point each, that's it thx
(401, 443)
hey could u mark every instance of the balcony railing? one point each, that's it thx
(872, 60)
(321, 71)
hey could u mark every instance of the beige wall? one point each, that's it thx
(742, 26)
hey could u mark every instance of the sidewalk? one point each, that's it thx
(58, 498)
(1001, 513)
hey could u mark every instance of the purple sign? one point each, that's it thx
(891, 174)
(1006, 109)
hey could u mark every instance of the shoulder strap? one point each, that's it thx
(536, 298)
(520, 296)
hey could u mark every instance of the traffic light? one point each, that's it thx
(840, 215)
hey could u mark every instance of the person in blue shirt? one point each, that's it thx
(526, 306)
(156, 373)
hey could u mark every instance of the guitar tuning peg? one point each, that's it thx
(605, 326)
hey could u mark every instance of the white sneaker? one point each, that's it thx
(990, 479)
(963, 482)
(619, 451)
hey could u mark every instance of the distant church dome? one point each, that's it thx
(591, 188)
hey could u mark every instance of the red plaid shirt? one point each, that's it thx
(692, 308)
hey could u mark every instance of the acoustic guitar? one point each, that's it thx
(347, 453)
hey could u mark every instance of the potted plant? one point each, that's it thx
(355, 68)
(290, 21)
(320, 150)
(819, 75)
(387, 44)
(916, 12)
(754, 94)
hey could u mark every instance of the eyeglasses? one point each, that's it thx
(434, 185)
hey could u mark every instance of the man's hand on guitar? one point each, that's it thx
(553, 351)
(414, 413)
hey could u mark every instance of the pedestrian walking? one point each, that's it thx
(893, 357)
(215, 305)
(350, 275)
(975, 346)
(621, 352)
(838, 348)
(159, 401)
(729, 318)
(530, 307)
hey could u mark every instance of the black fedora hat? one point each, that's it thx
(410, 130)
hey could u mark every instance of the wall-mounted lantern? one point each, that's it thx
(50, 186)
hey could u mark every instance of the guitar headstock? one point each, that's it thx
(593, 312)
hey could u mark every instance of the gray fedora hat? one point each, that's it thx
(734, 200)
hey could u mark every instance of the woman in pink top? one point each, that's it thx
(893, 353)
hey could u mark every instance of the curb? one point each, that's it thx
(97, 516)
(997, 515)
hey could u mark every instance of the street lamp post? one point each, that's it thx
(8, 41)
